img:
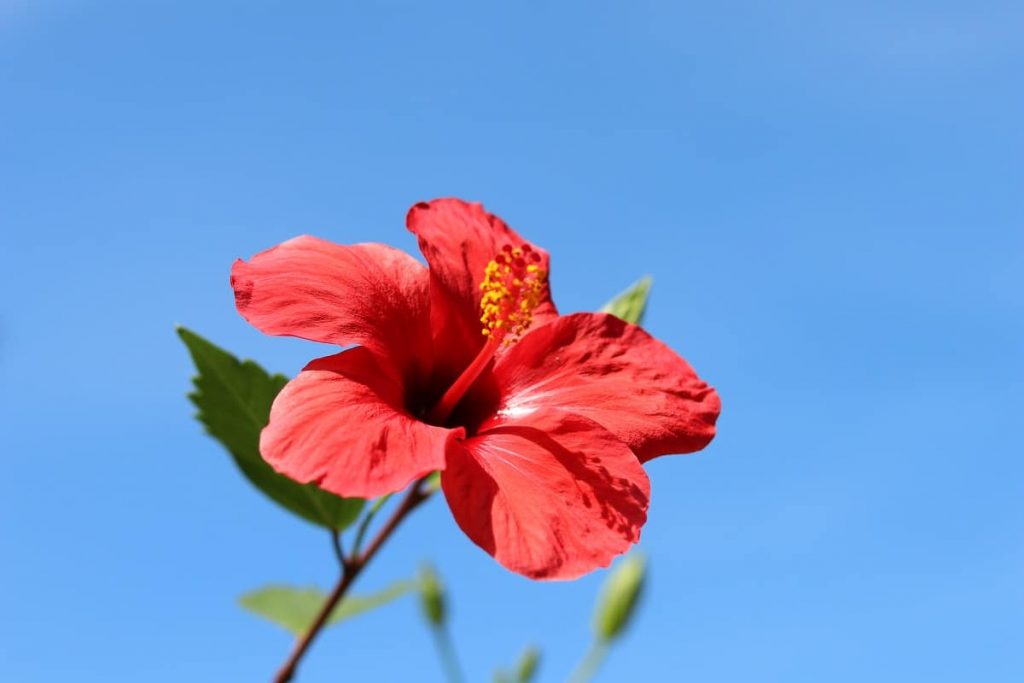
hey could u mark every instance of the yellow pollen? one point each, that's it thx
(511, 289)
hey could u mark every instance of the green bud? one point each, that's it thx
(619, 597)
(432, 596)
(527, 667)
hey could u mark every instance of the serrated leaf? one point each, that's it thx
(631, 304)
(233, 399)
(295, 608)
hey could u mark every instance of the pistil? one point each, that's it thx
(511, 288)
(443, 410)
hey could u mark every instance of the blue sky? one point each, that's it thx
(829, 196)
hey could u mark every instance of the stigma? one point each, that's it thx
(511, 289)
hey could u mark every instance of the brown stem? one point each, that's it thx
(351, 567)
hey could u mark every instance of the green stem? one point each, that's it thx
(339, 552)
(364, 525)
(587, 668)
(446, 649)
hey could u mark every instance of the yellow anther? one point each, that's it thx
(511, 290)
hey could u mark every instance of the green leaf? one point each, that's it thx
(291, 608)
(295, 608)
(233, 400)
(619, 597)
(355, 605)
(631, 304)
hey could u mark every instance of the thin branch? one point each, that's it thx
(364, 526)
(339, 552)
(351, 567)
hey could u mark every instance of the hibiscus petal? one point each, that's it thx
(459, 239)
(598, 366)
(341, 423)
(549, 494)
(368, 294)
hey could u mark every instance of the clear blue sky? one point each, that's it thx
(829, 196)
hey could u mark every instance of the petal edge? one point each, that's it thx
(369, 294)
(550, 495)
(615, 373)
(340, 424)
(458, 239)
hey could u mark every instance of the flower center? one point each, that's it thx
(511, 289)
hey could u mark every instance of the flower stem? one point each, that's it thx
(351, 568)
(591, 662)
(336, 543)
(445, 647)
(458, 389)
(364, 526)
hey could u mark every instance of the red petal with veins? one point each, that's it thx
(459, 239)
(368, 294)
(614, 373)
(549, 494)
(341, 423)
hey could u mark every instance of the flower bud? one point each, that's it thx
(432, 596)
(527, 667)
(619, 597)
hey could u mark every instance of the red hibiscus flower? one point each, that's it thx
(540, 423)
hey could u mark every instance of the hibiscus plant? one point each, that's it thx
(460, 377)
